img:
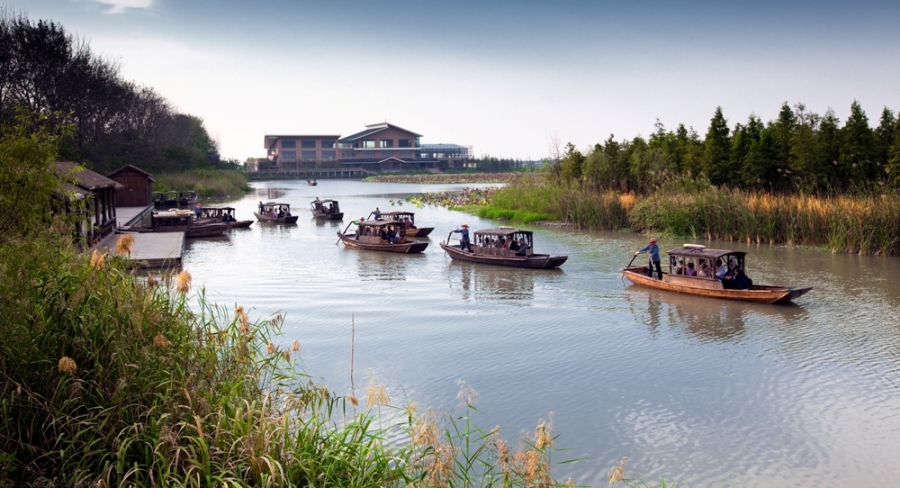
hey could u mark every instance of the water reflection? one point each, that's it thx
(328, 223)
(275, 228)
(385, 266)
(705, 318)
(270, 194)
(492, 282)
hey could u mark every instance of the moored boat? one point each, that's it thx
(181, 221)
(380, 235)
(692, 269)
(159, 199)
(504, 246)
(222, 214)
(326, 209)
(408, 219)
(186, 198)
(171, 199)
(275, 213)
(311, 182)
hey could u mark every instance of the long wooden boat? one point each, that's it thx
(275, 213)
(326, 209)
(186, 198)
(171, 199)
(311, 182)
(224, 215)
(408, 219)
(181, 221)
(504, 246)
(379, 235)
(705, 283)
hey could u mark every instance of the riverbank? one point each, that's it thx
(208, 183)
(864, 224)
(444, 178)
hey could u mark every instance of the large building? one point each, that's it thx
(381, 147)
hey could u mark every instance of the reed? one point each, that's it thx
(207, 182)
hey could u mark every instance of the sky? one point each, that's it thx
(513, 79)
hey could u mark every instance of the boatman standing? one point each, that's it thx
(653, 249)
(464, 238)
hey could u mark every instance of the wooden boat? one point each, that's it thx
(276, 213)
(187, 198)
(373, 236)
(171, 199)
(326, 209)
(492, 246)
(403, 217)
(311, 182)
(222, 214)
(159, 199)
(705, 283)
(181, 221)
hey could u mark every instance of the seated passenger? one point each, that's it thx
(705, 271)
(680, 269)
(513, 245)
(740, 280)
(391, 236)
(690, 270)
(720, 269)
(523, 248)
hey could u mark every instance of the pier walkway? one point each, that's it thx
(151, 249)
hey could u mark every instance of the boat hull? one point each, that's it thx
(756, 293)
(419, 231)
(327, 216)
(349, 240)
(291, 219)
(206, 230)
(535, 261)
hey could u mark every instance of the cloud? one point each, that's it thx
(119, 6)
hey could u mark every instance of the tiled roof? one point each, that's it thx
(133, 168)
(85, 178)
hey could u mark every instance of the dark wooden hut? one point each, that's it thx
(137, 185)
(99, 192)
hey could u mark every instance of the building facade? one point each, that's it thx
(380, 147)
(137, 186)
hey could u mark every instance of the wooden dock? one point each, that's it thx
(151, 249)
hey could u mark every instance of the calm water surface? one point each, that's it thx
(701, 391)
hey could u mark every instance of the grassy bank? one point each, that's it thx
(209, 183)
(864, 224)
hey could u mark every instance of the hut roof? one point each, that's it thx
(704, 253)
(132, 168)
(84, 180)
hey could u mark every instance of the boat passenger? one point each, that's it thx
(261, 207)
(720, 269)
(513, 245)
(391, 236)
(705, 271)
(523, 247)
(377, 213)
(680, 269)
(501, 242)
(690, 270)
(653, 250)
(740, 280)
(464, 243)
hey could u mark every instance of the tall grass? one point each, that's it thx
(108, 379)
(863, 224)
(208, 182)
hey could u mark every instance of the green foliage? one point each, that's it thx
(27, 181)
(207, 182)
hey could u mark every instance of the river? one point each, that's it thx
(704, 392)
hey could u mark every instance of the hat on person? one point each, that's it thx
(652, 239)
(465, 225)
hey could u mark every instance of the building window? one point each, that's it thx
(288, 155)
(328, 155)
(289, 165)
(346, 154)
(307, 144)
(288, 144)
(368, 143)
(405, 154)
(405, 142)
(309, 154)
(387, 143)
(387, 154)
(367, 154)
(328, 144)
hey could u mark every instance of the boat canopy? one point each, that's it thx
(501, 231)
(323, 201)
(273, 204)
(377, 223)
(703, 253)
(396, 213)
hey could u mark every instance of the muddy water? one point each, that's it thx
(701, 391)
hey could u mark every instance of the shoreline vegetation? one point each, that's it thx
(443, 178)
(208, 183)
(858, 224)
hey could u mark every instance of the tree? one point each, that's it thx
(717, 149)
(857, 141)
(572, 164)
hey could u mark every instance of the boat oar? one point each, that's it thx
(345, 231)
(632, 260)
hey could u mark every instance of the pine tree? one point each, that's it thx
(717, 148)
(857, 147)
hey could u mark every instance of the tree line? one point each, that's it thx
(46, 71)
(800, 151)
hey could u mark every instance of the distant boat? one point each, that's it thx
(504, 246)
(311, 182)
(187, 198)
(326, 209)
(276, 213)
(705, 283)
(379, 235)
(403, 217)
